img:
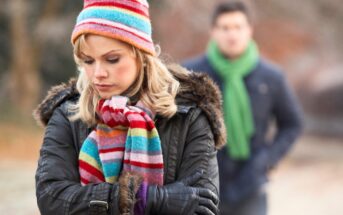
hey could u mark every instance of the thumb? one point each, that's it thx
(193, 179)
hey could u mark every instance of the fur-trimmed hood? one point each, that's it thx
(199, 89)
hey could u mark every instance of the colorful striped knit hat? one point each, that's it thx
(125, 20)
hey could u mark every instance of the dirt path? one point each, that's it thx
(17, 188)
(19, 150)
(309, 180)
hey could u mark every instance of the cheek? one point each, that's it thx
(89, 72)
(218, 36)
(245, 34)
(126, 72)
(245, 40)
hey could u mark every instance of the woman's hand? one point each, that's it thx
(181, 198)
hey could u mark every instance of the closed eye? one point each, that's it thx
(113, 60)
(88, 61)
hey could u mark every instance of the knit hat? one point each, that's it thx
(125, 20)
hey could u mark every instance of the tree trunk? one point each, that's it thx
(24, 83)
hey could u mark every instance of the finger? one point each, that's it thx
(208, 204)
(207, 193)
(193, 179)
(204, 211)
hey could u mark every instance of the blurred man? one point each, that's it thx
(254, 92)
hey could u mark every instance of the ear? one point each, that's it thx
(212, 32)
(251, 31)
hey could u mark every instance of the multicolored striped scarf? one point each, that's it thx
(125, 139)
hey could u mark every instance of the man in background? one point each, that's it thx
(254, 92)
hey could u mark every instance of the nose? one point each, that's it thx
(100, 71)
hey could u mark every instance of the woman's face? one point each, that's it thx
(110, 65)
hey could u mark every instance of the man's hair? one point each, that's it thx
(230, 7)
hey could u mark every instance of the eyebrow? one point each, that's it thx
(112, 51)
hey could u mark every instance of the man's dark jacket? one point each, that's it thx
(271, 99)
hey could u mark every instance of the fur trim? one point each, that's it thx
(197, 88)
(129, 184)
(202, 90)
(56, 96)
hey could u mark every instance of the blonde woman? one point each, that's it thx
(131, 135)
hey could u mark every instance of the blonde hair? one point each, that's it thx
(155, 86)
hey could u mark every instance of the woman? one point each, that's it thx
(130, 136)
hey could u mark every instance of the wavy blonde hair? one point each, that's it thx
(155, 86)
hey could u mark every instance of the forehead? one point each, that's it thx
(232, 18)
(96, 44)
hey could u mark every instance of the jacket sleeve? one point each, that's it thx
(200, 153)
(287, 114)
(58, 187)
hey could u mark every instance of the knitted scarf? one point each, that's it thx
(237, 109)
(125, 139)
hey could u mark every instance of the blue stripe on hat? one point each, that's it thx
(116, 16)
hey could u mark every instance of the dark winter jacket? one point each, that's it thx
(189, 142)
(271, 99)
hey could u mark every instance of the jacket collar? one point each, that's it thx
(198, 91)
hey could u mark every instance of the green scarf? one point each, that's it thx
(237, 110)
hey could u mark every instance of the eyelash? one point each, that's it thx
(111, 61)
(89, 62)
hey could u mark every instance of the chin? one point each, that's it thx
(108, 95)
(234, 53)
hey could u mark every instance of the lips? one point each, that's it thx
(104, 87)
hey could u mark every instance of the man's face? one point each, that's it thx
(232, 33)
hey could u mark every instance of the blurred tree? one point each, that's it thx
(24, 80)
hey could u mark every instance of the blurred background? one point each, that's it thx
(304, 37)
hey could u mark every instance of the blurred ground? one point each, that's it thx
(309, 180)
